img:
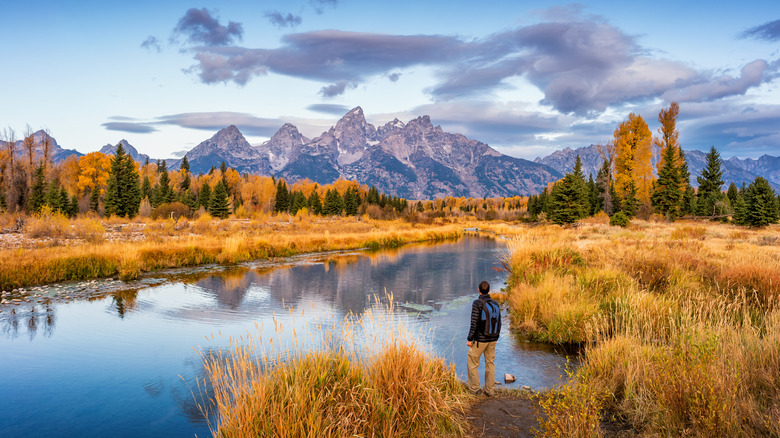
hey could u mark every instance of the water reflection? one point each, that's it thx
(32, 319)
(145, 378)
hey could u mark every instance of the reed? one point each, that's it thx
(680, 324)
(367, 379)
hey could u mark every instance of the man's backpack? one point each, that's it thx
(491, 315)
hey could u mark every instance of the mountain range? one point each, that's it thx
(414, 160)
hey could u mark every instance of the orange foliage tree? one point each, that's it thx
(93, 172)
(633, 159)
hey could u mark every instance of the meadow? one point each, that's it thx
(680, 325)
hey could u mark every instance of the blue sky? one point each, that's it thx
(527, 78)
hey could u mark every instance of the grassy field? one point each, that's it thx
(681, 326)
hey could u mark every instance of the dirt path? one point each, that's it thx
(507, 414)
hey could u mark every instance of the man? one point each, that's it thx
(483, 334)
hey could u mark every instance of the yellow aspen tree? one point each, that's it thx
(69, 174)
(93, 172)
(633, 159)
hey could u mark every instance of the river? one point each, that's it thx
(125, 361)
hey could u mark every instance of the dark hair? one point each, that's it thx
(484, 287)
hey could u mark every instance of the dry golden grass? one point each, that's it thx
(382, 384)
(170, 244)
(681, 323)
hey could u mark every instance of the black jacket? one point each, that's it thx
(477, 329)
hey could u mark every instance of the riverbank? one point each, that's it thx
(55, 250)
(681, 324)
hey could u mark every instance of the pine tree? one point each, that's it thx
(352, 201)
(38, 196)
(731, 194)
(315, 203)
(185, 170)
(667, 196)
(204, 196)
(298, 202)
(163, 191)
(333, 204)
(760, 208)
(710, 182)
(220, 204)
(123, 195)
(52, 196)
(94, 199)
(373, 196)
(282, 197)
(570, 200)
(146, 188)
(73, 209)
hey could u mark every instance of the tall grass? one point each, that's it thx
(365, 379)
(681, 325)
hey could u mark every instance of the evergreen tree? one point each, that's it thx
(569, 200)
(333, 204)
(64, 202)
(667, 196)
(352, 201)
(188, 199)
(204, 196)
(710, 182)
(146, 188)
(185, 165)
(52, 196)
(73, 209)
(298, 202)
(373, 196)
(760, 207)
(185, 169)
(315, 203)
(163, 191)
(282, 197)
(94, 199)
(629, 205)
(38, 196)
(123, 195)
(220, 204)
(731, 194)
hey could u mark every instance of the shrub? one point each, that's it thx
(171, 209)
(619, 219)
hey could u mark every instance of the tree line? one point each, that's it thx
(626, 187)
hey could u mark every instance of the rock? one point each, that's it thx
(509, 378)
(525, 388)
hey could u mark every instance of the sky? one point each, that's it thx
(527, 78)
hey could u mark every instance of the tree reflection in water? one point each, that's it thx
(32, 319)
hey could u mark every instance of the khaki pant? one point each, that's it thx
(476, 350)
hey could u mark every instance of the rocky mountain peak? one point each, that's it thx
(390, 128)
(110, 149)
(353, 135)
(284, 146)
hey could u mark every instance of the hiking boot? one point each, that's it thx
(478, 392)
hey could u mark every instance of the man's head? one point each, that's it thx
(484, 287)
